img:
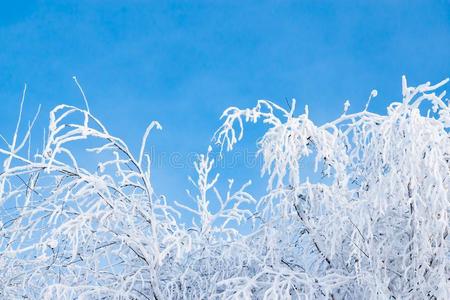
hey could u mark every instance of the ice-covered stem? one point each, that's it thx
(203, 167)
(14, 148)
(228, 212)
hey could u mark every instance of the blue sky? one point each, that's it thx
(183, 62)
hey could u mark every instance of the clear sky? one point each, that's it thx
(184, 62)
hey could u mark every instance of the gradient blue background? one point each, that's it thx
(184, 62)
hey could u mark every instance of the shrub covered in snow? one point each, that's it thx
(373, 225)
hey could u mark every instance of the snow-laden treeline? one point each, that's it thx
(375, 226)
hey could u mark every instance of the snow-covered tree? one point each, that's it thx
(370, 221)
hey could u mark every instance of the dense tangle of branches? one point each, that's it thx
(373, 223)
